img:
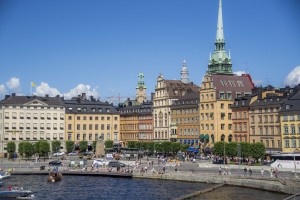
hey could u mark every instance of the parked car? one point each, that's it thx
(58, 153)
(87, 153)
(115, 163)
(73, 153)
(55, 163)
(100, 162)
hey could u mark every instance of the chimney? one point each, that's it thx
(47, 95)
(7, 96)
(152, 96)
(13, 94)
(83, 96)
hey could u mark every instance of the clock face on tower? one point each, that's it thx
(141, 88)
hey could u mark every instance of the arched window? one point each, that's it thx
(155, 120)
(222, 137)
(286, 129)
(160, 119)
(166, 119)
(293, 129)
(230, 138)
(212, 138)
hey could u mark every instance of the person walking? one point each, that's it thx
(250, 172)
(220, 170)
(245, 171)
(262, 172)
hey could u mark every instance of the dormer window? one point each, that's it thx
(287, 107)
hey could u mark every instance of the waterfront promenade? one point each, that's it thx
(200, 171)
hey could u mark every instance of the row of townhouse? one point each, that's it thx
(33, 118)
(270, 116)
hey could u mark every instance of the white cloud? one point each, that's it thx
(2, 90)
(293, 78)
(45, 89)
(82, 88)
(13, 83)
(239, 73)
(258, 82)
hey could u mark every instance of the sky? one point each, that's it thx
(100, 46)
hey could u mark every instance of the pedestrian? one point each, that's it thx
(164, 169)
(146, 169)
(220, 170)
(245, 171)
(271, 172)
(250, 172)
(262, 172)
(152, 162)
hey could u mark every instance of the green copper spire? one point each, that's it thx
(220, 62)
(141, 83)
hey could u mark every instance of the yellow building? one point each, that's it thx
(290, 123)
(88, 120)
(218, 90)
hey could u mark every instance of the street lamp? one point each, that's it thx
(295, 151)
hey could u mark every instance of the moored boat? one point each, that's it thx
(54, 177)
(4, 175)
(15, 193)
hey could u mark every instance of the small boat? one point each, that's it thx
(15, 193)
(54, 176)
(4, 175)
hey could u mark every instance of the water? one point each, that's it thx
(87, 187)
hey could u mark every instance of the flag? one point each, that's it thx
(33, 84)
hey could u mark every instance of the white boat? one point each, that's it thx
(15, 193)
(4, 175)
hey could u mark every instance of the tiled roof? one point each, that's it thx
(89, 107)
(292, 104)
(239, 101)
(232, 83)
(177, 85)
(21, 100)
(145, 108)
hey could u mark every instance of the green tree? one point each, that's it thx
(83, 145)
(175, 147)
(109, 144)
(11, 148)
(21, 149)
(36, 147)
(55, 146)
(166, 147)
(158, 147)
(70, 146)
(150, 146)
(258, 150)
(184, 147)
(28, 149)
(219, 148)
(231, 149)
(44, 149)
(245, 149)
(131, 144)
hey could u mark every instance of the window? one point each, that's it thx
(222, 95)
(90, 126)
(286, 129)
(287, 143)
(222, 105)
(222, 126)
(69, 126)
(294, 143)
(84, 127)
(293, 130)
(69, 117)
(229, 95)
(285, 118)
(78, 127)
(78, 117)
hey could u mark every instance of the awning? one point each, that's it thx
(206, 137)
(202, 136)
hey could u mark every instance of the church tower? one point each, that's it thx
(184, 73)
(141, 89)
(220, 62)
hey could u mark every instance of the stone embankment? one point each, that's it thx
(291, 186)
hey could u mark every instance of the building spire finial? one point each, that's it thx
(220, 33)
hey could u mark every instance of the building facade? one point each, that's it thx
(290, 122)
(88, 120)
(136, 123)
(185, 119)
(240, 119)
(264, 119)
(31, 118)
(218, 90)
(166, 92)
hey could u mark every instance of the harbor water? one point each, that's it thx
(87, 187)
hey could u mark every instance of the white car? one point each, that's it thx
(58, 154)
(100, 162)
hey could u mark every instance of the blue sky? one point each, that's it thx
(100, 46)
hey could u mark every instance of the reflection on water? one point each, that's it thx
(231, 192)
(87, 187)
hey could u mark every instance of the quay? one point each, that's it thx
(76, 173)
